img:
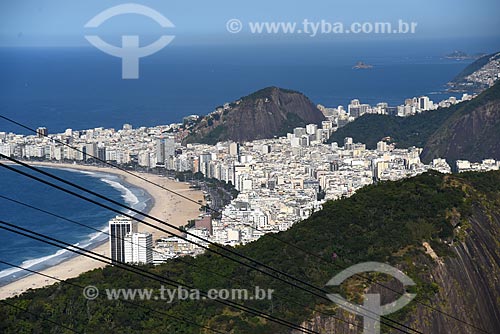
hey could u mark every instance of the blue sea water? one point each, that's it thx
(81, 88)
(35, 255)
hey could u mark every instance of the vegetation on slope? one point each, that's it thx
(404, 131)
(386, 222)
(472, 132)
(437, 130)
(267, 113)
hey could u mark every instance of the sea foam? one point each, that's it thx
(92, 239)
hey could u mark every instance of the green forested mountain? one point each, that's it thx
(404, 131)
(268, 113)
(469, 130)
(458, 215)
(472, 132)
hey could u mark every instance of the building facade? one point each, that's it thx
(119, 227)
(138, 248)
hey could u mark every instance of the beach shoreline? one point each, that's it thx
(164, 206)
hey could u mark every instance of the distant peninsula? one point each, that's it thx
(478, 76)
(460, 55)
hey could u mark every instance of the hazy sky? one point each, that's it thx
(60, 22)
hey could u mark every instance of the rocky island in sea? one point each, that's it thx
(362, 66)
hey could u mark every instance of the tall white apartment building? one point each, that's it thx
(119, 227)
(139, 248)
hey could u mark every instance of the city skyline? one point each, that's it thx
(250, 167)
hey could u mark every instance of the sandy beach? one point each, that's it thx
(167, 207)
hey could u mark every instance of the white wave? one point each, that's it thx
(129, 197)
(30, 263)
(127, 194)
(96, 237)
(85, 172)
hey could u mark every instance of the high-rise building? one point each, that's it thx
(382, 146)
(204, 161)
(234, 149)
(355, 102)
(311, 129)
(119, 227)
(165, 148)
(382, 107)
(169, 147)
(348, 143)
(160, 152)
(42, 132)
(101, 152)
(354, 108)
(90, 151)
(299, 132)
(424, 103)
(327, 125)
(138, 248)
(364, 109)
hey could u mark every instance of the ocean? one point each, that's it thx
(81, 88)
(35, 255)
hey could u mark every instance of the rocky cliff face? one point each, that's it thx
(471, 133)
(267, 113)
(468, 281)
(469, 285)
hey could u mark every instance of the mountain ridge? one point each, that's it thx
(471, 133)
(267, 113)
(441, 133)
(458, 215)
(460, 82)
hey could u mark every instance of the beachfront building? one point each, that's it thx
(119, 227)
(138, 248)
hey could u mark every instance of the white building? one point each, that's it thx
(424, 103)
(311, 129)
(138, 248)
(119, 227)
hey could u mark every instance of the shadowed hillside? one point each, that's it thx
(457, 215)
